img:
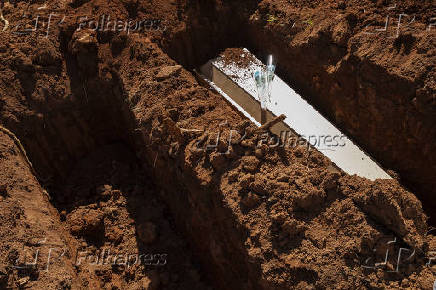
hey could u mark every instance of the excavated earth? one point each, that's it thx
(108, 174)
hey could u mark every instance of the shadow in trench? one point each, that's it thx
(111, 204)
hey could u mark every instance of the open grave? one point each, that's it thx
(234, 79)
(127, 150)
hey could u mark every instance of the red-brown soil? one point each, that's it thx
(114, 128)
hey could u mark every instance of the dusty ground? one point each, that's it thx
(117, 132)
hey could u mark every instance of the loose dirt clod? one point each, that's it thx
(167, 71)
(269, 124)
(251, 200)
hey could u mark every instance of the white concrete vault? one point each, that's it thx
(235, 83)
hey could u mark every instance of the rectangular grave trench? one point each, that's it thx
(233, 79)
